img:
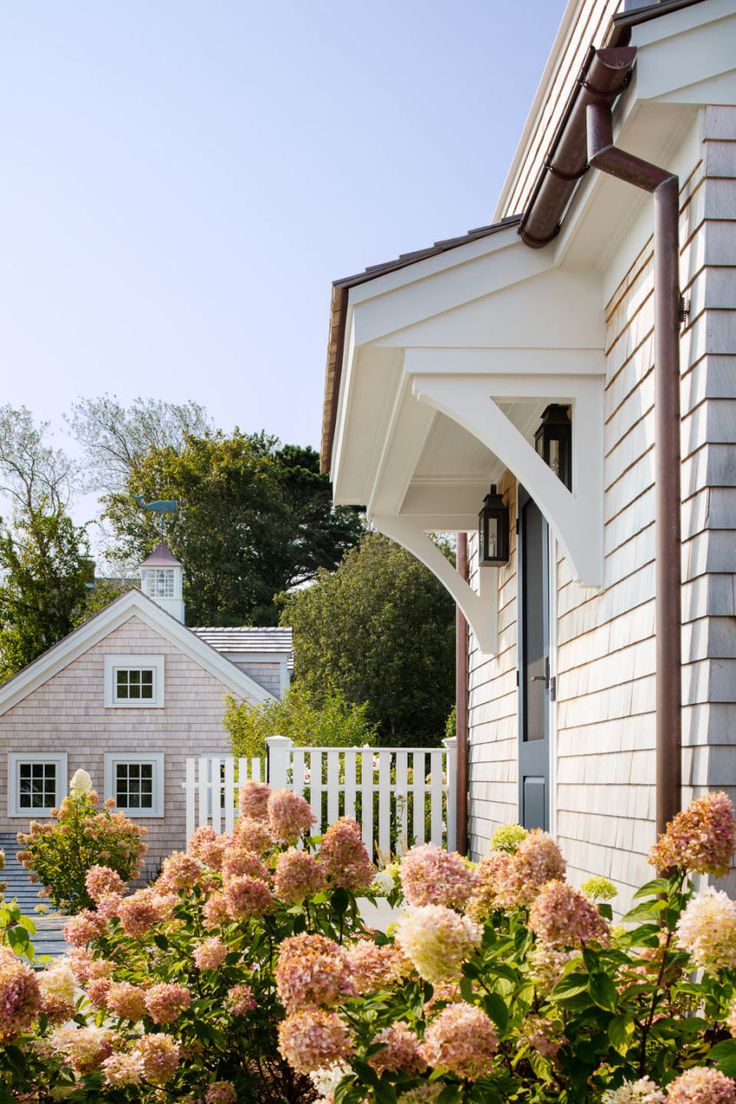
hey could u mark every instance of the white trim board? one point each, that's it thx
(131, 604)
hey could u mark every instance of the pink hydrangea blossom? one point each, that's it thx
(85, 967)
(20, 997)
(298, 876)
(432, 876)
(127, 1001)
(563, 917)
(159, 1056)
(166, 1001)
(180, 871)
(252, 835)
(312, 970)
(58, 986)
(461, 1041)
(547, 965)
(207, 846)
(702, 1085)
(437, 941)
(109, 905)
(493, 871)
(215, 911)
(544, 1036)
(247, 897)
(84, 928)
(400, 1050)
(237, 861)
(121, 1069)
(535, 861)
(240, 999)
(210, 954)
(84, 1048)
(700, 839)
(375, 967)
(97, 991)
(102, 880)
(221, 1092)
(289, 815)
(345, 858)
(312, 1039)
(253, 800)
(142, 911)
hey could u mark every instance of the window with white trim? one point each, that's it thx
(160, 582)
(134, 681)
(136, 783)
(36, 783)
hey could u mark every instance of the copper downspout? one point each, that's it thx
(664, 186)
(461, 705)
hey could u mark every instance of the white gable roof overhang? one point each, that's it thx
(449, 361)
(131, 604)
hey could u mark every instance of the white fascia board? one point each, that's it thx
(131, 604)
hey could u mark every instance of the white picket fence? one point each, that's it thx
(399, 796)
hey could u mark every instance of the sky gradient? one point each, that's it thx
(181, 182)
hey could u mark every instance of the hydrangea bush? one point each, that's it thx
(81, 834)
(244, 973)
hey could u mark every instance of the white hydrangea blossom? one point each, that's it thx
(643, 1091)
(80, 784)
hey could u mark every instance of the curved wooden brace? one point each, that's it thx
(480, 609)
(575, 518)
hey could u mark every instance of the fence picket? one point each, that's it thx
(391, 822)
(315, 789)
(333, 786)
(435, 758)
(366, 789)
(350, 756)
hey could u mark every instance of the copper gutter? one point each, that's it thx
(604, 75)
(461, 705)
(665, 189)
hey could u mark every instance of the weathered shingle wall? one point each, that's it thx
(67, 714)
(604, 763)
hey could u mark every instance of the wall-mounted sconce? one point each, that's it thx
(553, 441)
(493, 530)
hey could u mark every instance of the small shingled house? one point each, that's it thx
(579, 353)
(129, 696)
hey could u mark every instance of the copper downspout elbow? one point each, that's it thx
(664, 187)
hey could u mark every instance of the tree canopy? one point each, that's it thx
(379, 630)
(254, 519)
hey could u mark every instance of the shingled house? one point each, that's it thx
(128, 696)
(579, 354)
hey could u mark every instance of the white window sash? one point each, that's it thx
(15, 760)
(156, 760)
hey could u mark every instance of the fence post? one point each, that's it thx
(279, 760)
(451, 746)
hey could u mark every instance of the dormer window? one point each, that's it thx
(160, 582)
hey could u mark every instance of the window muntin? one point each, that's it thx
(36, 782)
(134, 684)
(160, 582)
(134, 785)
(36, 785)
(135, 781)
(134, 681)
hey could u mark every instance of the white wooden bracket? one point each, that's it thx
(575, 517)
(480, 608)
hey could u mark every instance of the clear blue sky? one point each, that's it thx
(181, 181)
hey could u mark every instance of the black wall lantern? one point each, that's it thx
(553, 441)
(493, 530)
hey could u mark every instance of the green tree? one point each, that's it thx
(380, 630)
(253, 521)
(46, 571)
(331, 722)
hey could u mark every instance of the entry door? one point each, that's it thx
(534, 669)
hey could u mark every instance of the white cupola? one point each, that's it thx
(161, 580)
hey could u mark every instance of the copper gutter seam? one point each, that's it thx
(461, 705)
(664, 187)
(603, 76)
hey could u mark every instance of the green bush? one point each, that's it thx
(333, 722)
